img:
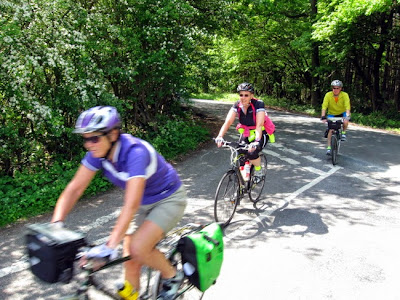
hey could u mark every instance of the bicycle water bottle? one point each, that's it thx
(247, 170)
(126, 291)
(243, 172)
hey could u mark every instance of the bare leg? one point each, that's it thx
(329, 137)
(256, 162)
(345, 124)
(143, 252)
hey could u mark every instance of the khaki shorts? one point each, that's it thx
(166, 213)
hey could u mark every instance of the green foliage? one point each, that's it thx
(28, 195)
(378, 120)
(61, 57)
(176, 137)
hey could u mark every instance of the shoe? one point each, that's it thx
(328, 151)
(258, 175)
(170, 286)
(343, 137)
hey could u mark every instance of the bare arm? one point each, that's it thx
(230, 118)
(72, 193)
(132, 200)
(260, 118)
(323, 114)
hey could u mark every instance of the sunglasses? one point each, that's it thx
(93, 139)
(338, 88)
(244, 95)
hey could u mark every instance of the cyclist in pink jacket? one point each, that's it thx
(254, 125)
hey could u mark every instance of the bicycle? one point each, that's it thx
(152, 279)
(234, 185)
(335, 125)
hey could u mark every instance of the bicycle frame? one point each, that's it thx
(336, 123)
(167, 245)
(232, 186)
(236, 159)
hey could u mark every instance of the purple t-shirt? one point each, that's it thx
(134, 157)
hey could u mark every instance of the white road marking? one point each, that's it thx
(288, 160)
(312, 158)
(286, 201)
(291, 151)
(314, 170)
(364, 178)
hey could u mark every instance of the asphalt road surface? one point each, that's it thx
(319, 231)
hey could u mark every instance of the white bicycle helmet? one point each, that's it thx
(337, 83)
(98, 118)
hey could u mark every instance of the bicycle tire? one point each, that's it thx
(226, 197)
(186, 291)
(255, 189)
(334, 148)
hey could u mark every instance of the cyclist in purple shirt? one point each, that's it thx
(154, 199)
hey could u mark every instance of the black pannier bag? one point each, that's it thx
(52, 251)
(334, 124)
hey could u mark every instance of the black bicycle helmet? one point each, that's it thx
(245, 86)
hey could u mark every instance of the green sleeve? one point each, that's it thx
(347, 102)
(325, 102)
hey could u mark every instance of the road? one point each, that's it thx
(319, 232)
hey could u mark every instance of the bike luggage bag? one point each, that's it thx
(202, 255)
(52, 251)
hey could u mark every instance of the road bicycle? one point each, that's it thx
(87, 286)
(335, 125)
(234, 184)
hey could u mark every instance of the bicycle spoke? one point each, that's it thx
(226, 198)
(256, 187)
(186, 290)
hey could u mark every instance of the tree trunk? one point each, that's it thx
(315, 62)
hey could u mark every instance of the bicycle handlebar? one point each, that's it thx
(235, 145)
(335, 119)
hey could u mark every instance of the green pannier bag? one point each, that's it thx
(202, 255)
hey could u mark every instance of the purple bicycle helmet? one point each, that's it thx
(98, 118)
(245, 86)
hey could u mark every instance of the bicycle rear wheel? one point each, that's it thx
(186, 290)
(256, 187)
(334, 148)
(226, 197)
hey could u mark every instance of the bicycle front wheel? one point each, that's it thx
(186, 291)
(334, 148)
(256, 185)
(226, 197)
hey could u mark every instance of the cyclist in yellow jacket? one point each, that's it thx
(337, 103)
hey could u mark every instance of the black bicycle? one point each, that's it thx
(87, 285)
(235, 183)
(335, 126)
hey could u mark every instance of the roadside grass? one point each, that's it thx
(377, 120)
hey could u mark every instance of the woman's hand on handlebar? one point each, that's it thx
(98, 256)
(219, 141)
(253, 146)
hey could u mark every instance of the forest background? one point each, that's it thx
(147, 57)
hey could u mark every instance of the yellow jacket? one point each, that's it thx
(334, 108)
